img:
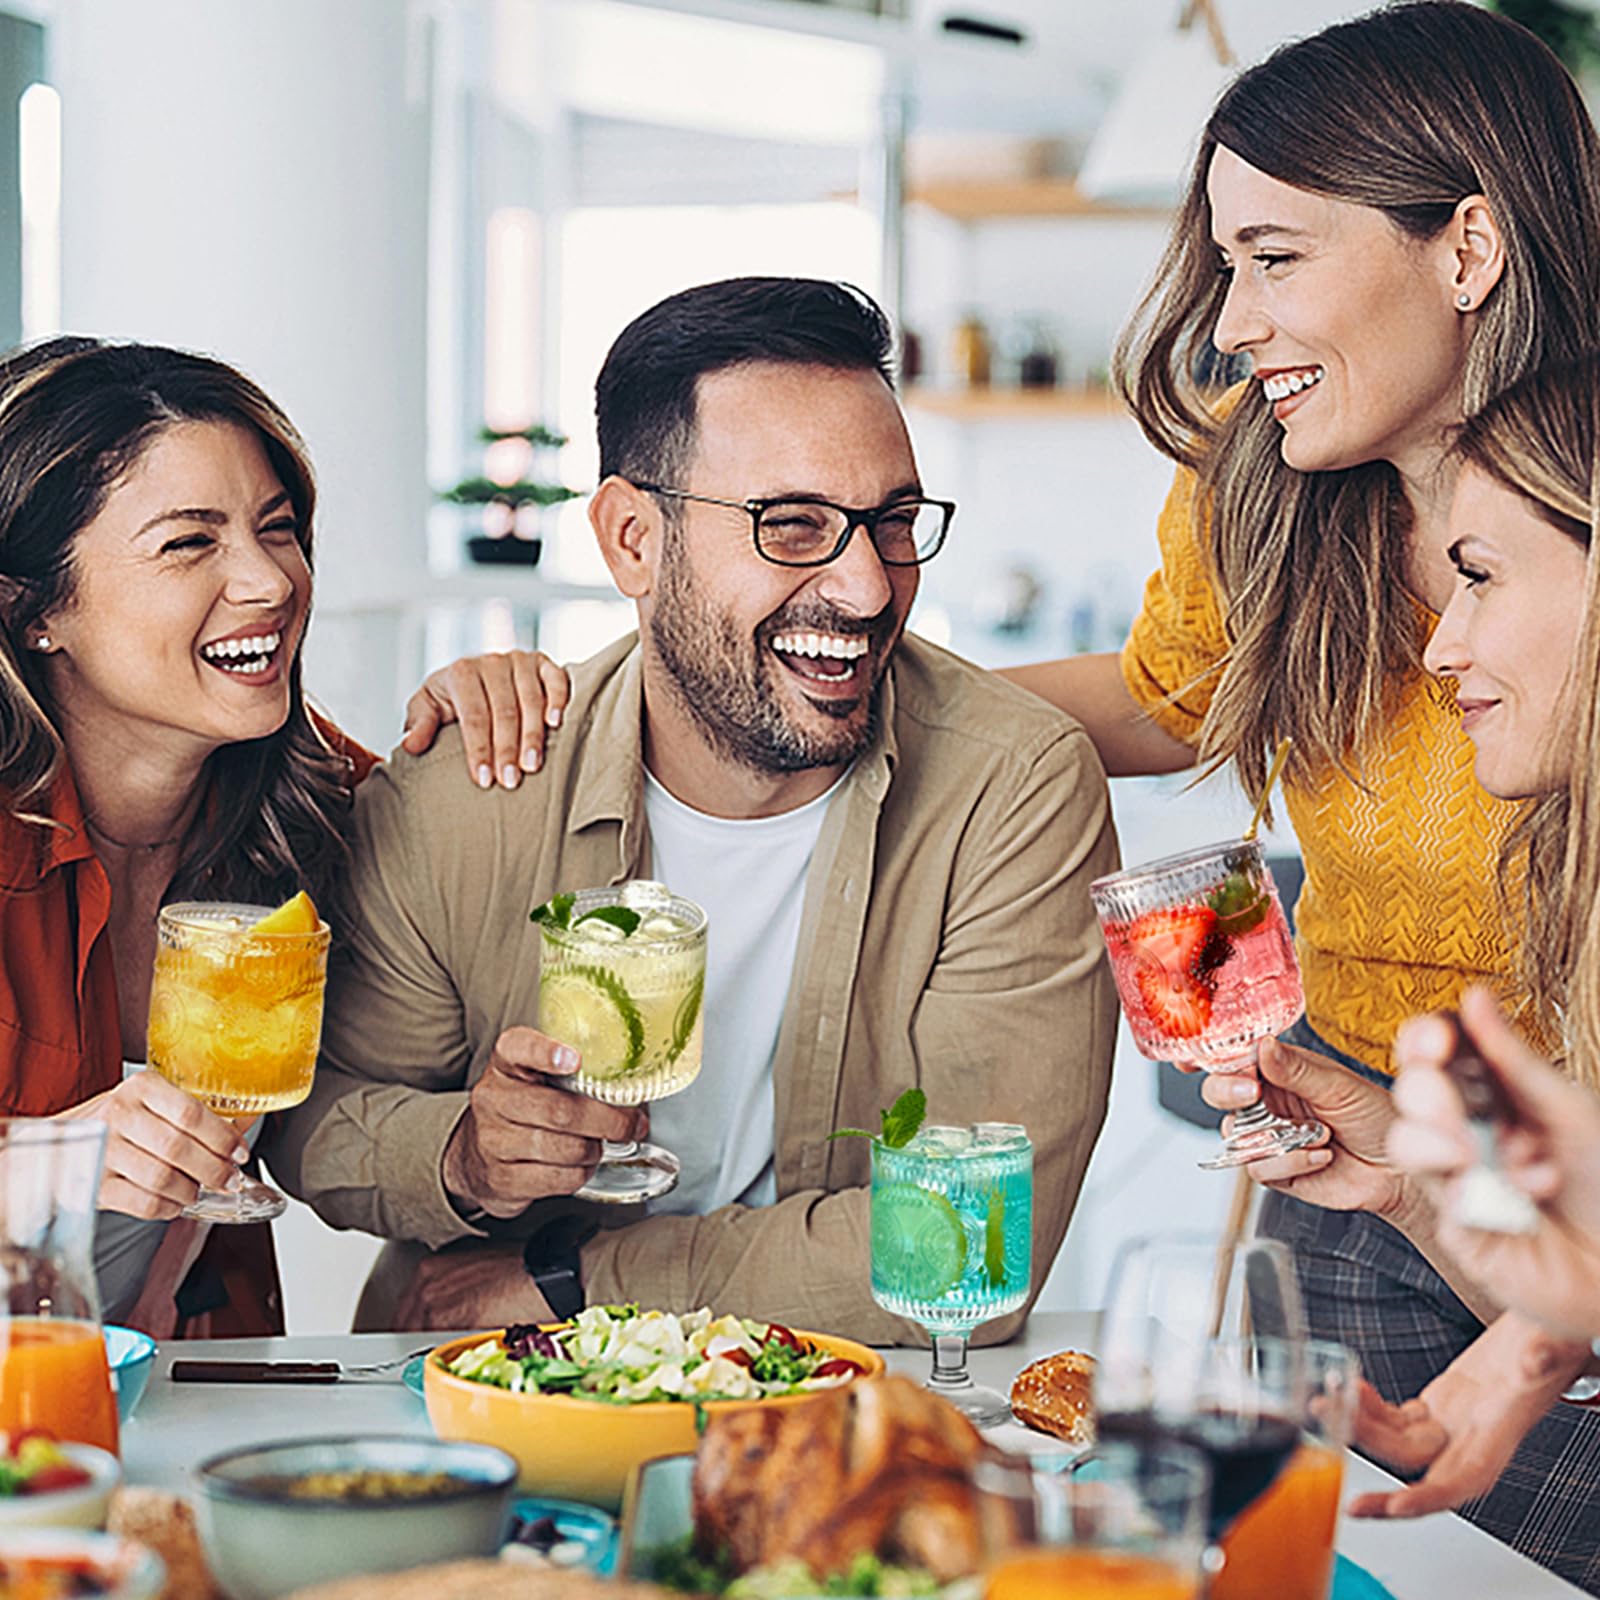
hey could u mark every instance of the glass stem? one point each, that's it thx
(610, 1150)
(950, 1362)
(1254, 1115)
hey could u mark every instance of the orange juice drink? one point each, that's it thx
(54, 1375)
(236, 1004)
(1088, 1574)
(1281, 1546)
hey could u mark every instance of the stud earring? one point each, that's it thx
(1464, 301)
(42, 642)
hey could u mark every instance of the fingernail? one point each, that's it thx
(241, 1154)
(485, 776)
(565, 1057)
(530, 760)
(510, 776)
(552, 716)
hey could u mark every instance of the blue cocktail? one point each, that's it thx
(952, 1243)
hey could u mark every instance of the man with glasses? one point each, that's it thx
(893, 849)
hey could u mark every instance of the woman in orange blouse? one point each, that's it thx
(155, 581)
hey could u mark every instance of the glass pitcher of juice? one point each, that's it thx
(53, 1369)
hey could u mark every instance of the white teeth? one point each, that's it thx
(253, 654)
(838, 646)
(1283, 384)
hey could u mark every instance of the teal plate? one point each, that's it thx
(587, 1527)
(1351, 1582)
(411, 1374)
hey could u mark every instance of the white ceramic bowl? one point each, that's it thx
(82, 1507)
(262, 1544)
(128, 1570)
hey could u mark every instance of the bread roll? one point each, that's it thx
(1052, 1395)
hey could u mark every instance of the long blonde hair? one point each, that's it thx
(1539, 439)
(1410, 110)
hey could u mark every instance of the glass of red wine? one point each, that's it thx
(1206, 1346)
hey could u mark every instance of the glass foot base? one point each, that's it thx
(630, 1173)
(981, 1406)
(1255, 1137)
(249, 1202)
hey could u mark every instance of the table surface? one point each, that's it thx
(180, 1424)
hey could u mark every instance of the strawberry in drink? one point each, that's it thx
(1205, 970)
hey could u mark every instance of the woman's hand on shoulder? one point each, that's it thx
(162, 1147)
(506, 703)
(1350, 1170)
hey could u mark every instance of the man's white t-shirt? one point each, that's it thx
(749, 875)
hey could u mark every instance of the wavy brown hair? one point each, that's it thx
(1410, 110)
(1539, 439)
(75, 415)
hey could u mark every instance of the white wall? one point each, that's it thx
(251, 180)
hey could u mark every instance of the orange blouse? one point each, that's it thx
(60, 1031)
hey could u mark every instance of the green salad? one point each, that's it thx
(626, 1356)
(678, 1566)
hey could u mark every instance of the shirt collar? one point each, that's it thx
(30, 851)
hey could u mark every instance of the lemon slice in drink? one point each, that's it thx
(919, 1246)
(298, 915)
(590, 1009)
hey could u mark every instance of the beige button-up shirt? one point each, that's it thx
(947, 940)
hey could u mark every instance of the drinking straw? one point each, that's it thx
(1279, 757)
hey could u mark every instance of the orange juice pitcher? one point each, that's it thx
(53, 1369)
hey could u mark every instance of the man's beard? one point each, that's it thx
(726, 684)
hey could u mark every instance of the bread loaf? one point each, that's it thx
(1053, 1395)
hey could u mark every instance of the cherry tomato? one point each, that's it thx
(839, 1366)
(776, 1330)
(740, 1358)
(47, 1479)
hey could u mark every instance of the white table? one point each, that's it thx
(180, 1424)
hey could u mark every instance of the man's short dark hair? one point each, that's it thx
(645, 394)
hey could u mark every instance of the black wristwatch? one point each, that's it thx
(552, 1259)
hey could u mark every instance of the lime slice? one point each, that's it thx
(994, 1239)
(687, 1015)
(590, 1009)
(918, 1244)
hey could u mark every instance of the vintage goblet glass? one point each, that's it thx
(1205, 970)
(235, 1021)
(952, 1243)
(623, 982)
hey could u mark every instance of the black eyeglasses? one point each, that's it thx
(811, 533)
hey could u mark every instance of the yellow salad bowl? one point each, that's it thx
(579, 1449)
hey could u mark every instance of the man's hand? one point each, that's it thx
(162, 1147)
(524, 1137)
(1466, 1425)
(472, 1285)
(506, 704)
(1350, 1172)
(1552, 1154)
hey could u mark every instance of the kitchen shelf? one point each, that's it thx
(1021, 405)
(976, 200)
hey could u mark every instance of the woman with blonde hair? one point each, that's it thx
(1390, 222)
(155, 744)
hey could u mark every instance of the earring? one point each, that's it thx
(1464, 301)
(42, 642)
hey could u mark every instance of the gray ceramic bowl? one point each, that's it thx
(262, 1543)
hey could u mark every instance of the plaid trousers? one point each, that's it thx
(1369, 1289)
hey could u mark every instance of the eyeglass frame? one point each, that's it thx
(864, 517)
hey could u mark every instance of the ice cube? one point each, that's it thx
(645, 894)
(942, 1141)
(999, 1135)
(658, 927)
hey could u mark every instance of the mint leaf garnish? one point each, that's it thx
(900, 1122)
(618, 916)
(903, 1118)
(557, 911)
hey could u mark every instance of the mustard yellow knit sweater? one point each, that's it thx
(1399, 911)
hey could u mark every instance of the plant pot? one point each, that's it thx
(507, 552)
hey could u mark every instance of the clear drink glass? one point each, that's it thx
(235, 1021)
(1128, 1524)
(629, 1000)
(53, 1368)
(952, 1243)
(1283, 1544)
(1205, 970)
